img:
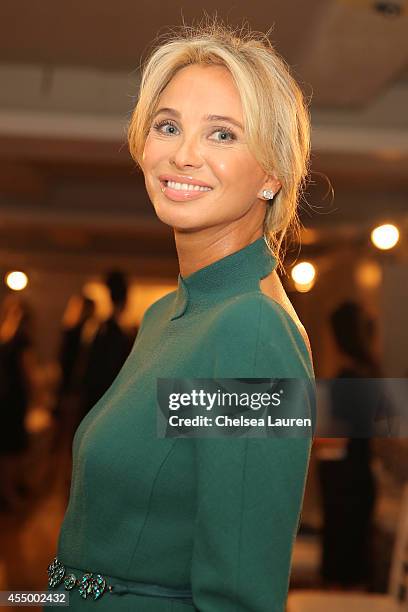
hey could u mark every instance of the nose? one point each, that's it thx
(186, 153)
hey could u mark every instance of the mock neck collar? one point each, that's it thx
(239, 272)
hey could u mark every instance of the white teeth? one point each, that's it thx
(186, 187)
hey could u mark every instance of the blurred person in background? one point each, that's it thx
(344, 464)
(79, 313)
(110, 347)
(78, 329)
(17, 365)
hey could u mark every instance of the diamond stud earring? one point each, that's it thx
(268, 194)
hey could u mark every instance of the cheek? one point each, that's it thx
(228, 169)
(237, 170)
(151, 153)
(146, 154)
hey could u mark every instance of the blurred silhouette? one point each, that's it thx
(91, 355)
(78, 328)
(79, 313)
(109, 348)
(16, 376)
(345, 473)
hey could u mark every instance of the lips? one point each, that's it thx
(183, 195)
(179, 188)
(177, 178)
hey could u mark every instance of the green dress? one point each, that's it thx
(184, 523)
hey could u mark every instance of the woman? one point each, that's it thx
(221, 134)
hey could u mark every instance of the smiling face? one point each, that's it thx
(197, 139)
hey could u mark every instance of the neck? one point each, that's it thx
(196, 250)
(234, 274)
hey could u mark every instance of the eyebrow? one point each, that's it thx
(175, 113)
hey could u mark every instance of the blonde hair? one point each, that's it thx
(276, 116)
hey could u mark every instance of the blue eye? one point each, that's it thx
(227, 131)
(165, 123)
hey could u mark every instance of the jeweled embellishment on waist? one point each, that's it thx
(85, 585)
(56, 573)
(92, 585)
(70, 582)
(98, 586)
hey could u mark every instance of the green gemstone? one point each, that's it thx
(85, 586)
(70, 582)
(98, 586)
(56, 573)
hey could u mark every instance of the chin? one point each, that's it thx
(181, 223)
(180, 219)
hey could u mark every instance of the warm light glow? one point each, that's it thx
(304, 288)
(303, 273)
(16, 280)
(304, 276)
(37, 420)
(368, 274)
(99, 293)
(385, 236)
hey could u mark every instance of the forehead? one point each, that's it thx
(203, 89)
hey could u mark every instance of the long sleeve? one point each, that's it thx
(249, 491)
